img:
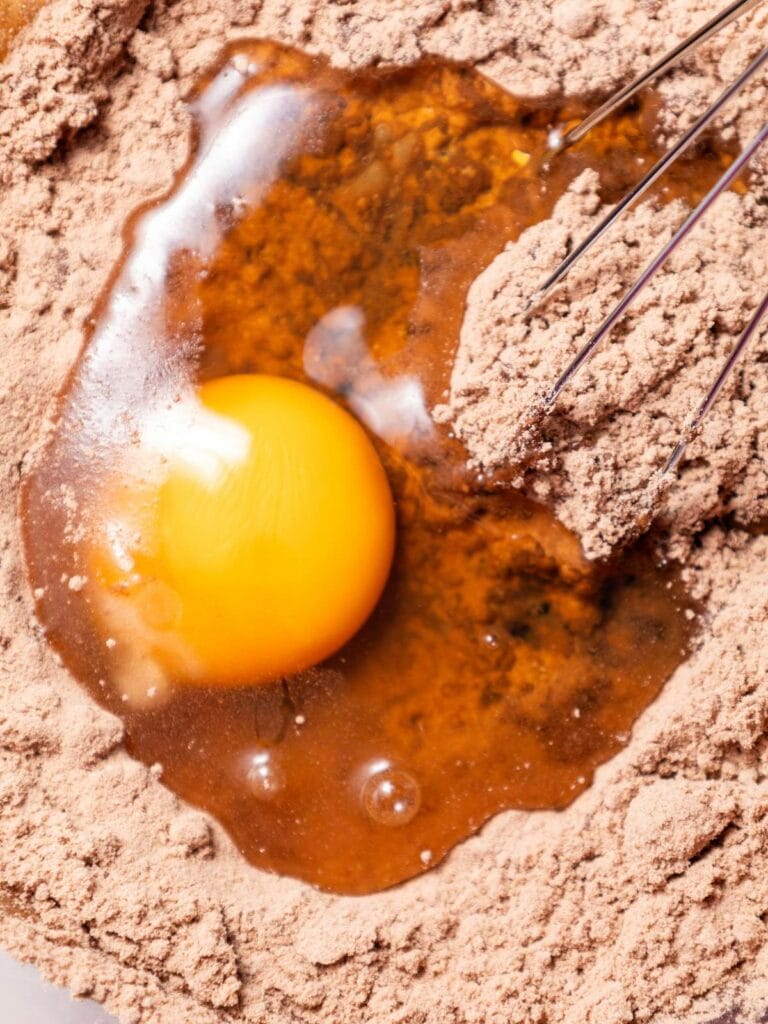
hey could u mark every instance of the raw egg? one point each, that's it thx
(209, 529)
(253, 540)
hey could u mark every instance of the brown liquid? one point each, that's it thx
(327, 228)
(14, 15)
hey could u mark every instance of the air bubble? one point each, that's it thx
(390, 796)
(265, 777)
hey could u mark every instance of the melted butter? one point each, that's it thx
(15, 14)
(327, 228)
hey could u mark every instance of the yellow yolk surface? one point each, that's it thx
(261, 548)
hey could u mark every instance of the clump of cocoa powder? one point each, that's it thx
(596, 455)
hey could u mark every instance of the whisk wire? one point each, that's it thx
(725, 17)
(733, 11)
(648, 180)
(724, 182)
(748, 333)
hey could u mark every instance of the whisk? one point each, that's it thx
(726, 16)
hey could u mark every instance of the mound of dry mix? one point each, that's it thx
(644, 901)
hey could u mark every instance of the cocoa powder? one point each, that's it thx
(597, 455)
(646, 900)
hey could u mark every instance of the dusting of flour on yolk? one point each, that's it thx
(256, 549)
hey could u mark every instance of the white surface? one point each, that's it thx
(26, 999)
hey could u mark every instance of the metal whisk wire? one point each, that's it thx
(693, 42)
(726, 180)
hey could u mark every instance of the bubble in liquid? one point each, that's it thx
(265, 777)
(390, 796)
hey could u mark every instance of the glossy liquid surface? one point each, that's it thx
(14, 15)
(327, 228)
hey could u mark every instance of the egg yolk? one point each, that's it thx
(259, 546)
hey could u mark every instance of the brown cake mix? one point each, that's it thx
(646, 898)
